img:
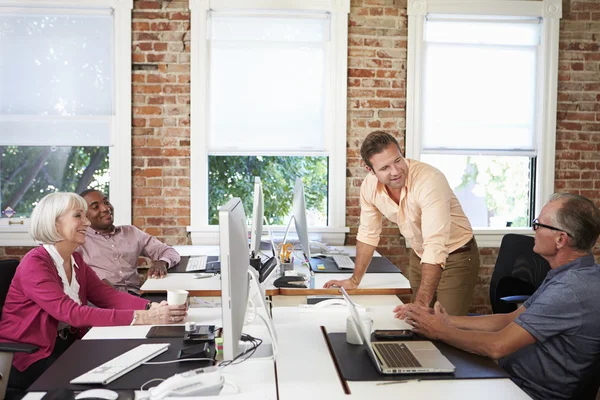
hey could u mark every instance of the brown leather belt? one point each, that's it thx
(464, 247)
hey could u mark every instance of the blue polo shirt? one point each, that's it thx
(564, 316)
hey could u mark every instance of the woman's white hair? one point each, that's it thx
(43, 218)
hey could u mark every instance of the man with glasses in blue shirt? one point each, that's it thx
(550, 343)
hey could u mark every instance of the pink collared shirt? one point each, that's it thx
(429, 215)
(114, 256)
(36, 302)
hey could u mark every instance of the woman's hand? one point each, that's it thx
(161, 314)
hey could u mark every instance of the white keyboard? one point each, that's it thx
(119, 366)
(196, 263)
(343, 262)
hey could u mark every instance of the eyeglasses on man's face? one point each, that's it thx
(535, 224)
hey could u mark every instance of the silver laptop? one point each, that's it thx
(411, 357)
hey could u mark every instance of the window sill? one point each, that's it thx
(492, 237)
(330, 236)
(15, 236)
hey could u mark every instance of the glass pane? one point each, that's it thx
(233, 176)
(478, 97)
(520, 33)
(273, 28)
(52, 64)
(266, 95)
(29, 173)
(493, 191)
(58, 132)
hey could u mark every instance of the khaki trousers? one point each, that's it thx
(455, 289)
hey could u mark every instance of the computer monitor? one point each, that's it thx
(257, 218)
(299, 213)
(235, 261)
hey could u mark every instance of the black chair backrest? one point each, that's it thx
(7, 272)
(518, 269)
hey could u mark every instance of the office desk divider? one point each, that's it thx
(84, 355)
(356, 365)
(378, 265)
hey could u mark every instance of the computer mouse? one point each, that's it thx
(103, 394)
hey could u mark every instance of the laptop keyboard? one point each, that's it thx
(396, 355)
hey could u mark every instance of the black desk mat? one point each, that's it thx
(355, 364)
(84, 355)
(378, 265)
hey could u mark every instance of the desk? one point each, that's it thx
(197, 287)
(254, 377)
(214, 250)
(372, 284)
(303, 348)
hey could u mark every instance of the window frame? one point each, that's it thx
(550, 12)
(15, 232)
(335, 108)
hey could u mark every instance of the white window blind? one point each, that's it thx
(59, 91)
(267, 75)
(472, 69)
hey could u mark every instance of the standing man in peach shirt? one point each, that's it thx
(444, 263)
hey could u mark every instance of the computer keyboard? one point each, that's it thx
(343, 262)
(119, 366)
(196, 263)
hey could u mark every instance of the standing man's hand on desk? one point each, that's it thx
(161, 313)
(364, 254)
(158, 269)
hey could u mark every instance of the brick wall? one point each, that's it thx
(161, 119)
(376, 100)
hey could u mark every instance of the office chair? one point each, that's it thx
(7, 272)
(517, 274)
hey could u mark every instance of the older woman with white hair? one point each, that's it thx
(47, 302)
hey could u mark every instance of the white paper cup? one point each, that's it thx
(176, 297)
(352, 335)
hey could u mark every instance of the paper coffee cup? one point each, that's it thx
(176, 297)
(352, 335)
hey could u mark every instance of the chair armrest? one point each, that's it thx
(515, 299)
(17, 348)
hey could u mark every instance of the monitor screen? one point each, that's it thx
(257, 218)
(235, 261)
(299, 212)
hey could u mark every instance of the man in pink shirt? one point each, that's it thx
(444, 263)
(113, 251)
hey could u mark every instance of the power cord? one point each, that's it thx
(248, 352)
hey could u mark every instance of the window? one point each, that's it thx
(60, 122)
(482, 105)
(274, 106)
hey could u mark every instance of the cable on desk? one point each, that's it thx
(249, 352)
(147, 382)
(177, 360)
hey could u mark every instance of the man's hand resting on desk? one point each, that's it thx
(424, 320)
(158, 269)
(161, 313)
(400, 311)
(351, 283)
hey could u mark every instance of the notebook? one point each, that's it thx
(408, 357)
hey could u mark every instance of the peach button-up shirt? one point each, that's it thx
(429, 215)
